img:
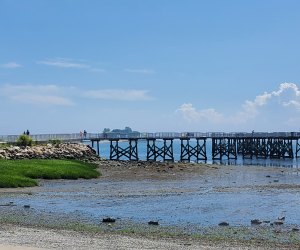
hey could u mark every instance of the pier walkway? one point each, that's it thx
(276, 145)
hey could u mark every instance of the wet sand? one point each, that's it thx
(192, 198)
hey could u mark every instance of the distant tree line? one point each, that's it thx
(126, 130)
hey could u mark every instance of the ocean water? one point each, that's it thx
(142, 154)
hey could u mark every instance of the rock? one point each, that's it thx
(108, 220)
(276, 180)
(26, 206)
(223, 224)
(278, 222)
(155, 223)
(256, 222)
(295, 229)
(268, 176)
(61, 151)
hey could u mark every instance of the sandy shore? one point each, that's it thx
(26, 232)
(27, 238)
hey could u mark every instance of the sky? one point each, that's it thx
(152, 65)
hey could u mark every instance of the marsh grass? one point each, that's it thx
(22, 173)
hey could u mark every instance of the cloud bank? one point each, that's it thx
(281, 102)
(36, 94)
(67, 96)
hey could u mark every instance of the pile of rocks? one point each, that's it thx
(59, 151)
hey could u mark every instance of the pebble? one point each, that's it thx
(108, 220)
(278, 222)
(224, 224)
(256, 222)
(155, 223)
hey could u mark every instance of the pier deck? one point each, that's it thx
(276, 145)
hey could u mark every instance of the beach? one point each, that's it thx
(187, 200)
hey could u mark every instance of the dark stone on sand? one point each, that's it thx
(295, 229)
(223, 224)
(255, 222)
(108, 220)
(151, 222)
(278, 222)
(276, 180)
(268, 176)
(26, 206)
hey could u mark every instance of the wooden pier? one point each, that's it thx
(225, 146)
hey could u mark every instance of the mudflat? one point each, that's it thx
(259, 205)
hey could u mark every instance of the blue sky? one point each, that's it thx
(153, 65)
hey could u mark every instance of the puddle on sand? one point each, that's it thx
(202, 201)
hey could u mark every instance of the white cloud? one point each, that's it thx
(63, 63)
(36, 94)
(191, 114)
(118, 94)
(285, 87)
(294, 103)
(266, 105)
(69, 63)
(63, 96)
(42, 99)
(11, 65)
(140, 71)
(288, 94)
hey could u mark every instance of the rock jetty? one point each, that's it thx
(76, 151)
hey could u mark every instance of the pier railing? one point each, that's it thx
(156, 135)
